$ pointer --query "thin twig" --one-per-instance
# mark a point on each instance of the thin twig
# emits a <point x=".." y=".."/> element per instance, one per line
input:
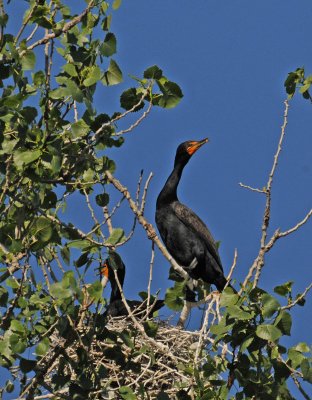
<point x="299" y="298"/>
<point x="300" y="388"/>
<point x="27" y="19"/>
<point x="267" y="210"/>
<point x="145" y="193"/>
<point x="251" y="188"/>
<point x="150" y="278"/>
<point x="137" y="122"/>
<point x="259" y="260"/>
<point x="95" y="220"/>
<point x="146" y="225"/>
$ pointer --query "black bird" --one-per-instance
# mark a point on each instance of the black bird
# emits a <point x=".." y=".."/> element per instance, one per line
<point x="184" y="234"/>
<point x="116" y="307"/>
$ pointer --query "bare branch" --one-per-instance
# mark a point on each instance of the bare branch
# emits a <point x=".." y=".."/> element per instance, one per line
<point x="27" y="19"/>
<point x="251" y="188"/>
<point x="95" y="220"/>
<point x="137" y="122"/>
<point x="300" y="388"/>
<point x="267" y="211"/>
<point x="291" y="230"/>
<point x="145" y="192"/>
<point x="151" y="233"/>
<point x="228" y="278"/>
<point x="150" y="279"/>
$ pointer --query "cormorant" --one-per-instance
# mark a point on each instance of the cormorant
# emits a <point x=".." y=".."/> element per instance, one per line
<point x="116" y="307"/>
<point x="184" y="234"/>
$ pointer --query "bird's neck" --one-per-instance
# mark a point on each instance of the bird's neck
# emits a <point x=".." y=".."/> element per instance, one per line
<point x="169" y="191"/>
<point x="115" y="293"/>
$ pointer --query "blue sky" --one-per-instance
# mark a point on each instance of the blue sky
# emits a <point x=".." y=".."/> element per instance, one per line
<point x="231" y="60"/>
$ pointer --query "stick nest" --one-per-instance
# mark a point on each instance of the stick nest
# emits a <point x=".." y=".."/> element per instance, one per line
<point x="127" y="356"/>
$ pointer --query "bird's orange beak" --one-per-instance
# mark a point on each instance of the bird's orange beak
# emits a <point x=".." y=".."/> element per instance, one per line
<point x="104" y="274"/>
<point x="195" y="145"/>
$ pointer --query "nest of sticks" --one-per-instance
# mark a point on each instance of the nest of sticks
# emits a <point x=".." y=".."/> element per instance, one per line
<point x="131" y="358"/>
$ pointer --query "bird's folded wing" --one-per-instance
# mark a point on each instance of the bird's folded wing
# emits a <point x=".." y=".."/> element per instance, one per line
<point x="196" y="225"/>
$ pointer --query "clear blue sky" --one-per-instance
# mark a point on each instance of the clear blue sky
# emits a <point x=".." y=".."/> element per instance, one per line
<point x="231" y="60"/>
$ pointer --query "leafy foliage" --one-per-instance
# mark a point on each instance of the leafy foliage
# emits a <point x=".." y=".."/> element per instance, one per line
<point x="297" y="79"/>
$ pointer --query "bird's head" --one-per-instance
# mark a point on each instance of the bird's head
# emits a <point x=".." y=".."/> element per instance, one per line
<point x="186" y="149"/>
<point x="105" y="272"/>
<point x="113" y="262"/>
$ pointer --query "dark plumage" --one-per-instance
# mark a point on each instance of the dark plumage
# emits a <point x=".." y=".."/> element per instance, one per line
<point x="116" y="307"/>
<point x="184" y="234"/>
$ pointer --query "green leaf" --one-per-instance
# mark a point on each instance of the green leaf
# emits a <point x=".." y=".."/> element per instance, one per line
<point x="25" y="157"/>
<point x="79" y="244"/>
<point x="4" y="19"/>
<point x="70" y="69"/>
<point x="296" y="357"/>
<point x="28" y="60"/>
<point x="238" y="313"/>
<point x="94" y="75"/>
<point x="303" y="347"/>
<point x="42" y="229"/>
<point x="18" y="345"/>
<point x="130" y="98"/>
<point x="43" y="347"/>
<point x="4" y="296"/>
<point x="268" y="332"/>
<point x="269" y="305"/>
<point x="284" y="289"/>
<point x="17" y="326"/>
<point x="109" y="46"/>
<point x="127" y="393"/>
<point x="228" y="297"/>
<point x="172" y="94"/>
<point x="126" y="338"/>
<point x="58" y="291"/>
<point x="39" y="78"/>
<point x="306" y="370"/>
<point x="116" y="4"/>
<point x="79" y="128"/>
<point x="9" y="387"/>
<point x="73" y="90"/>
<point x="305" y="88"/>
<point x="117" y="236"/>
<point x="29" y="113"/>
<point x="153" y="72"/>
<point x="102" y="199"/>
<point x="95" y="291"/>
<point x="113" y="75"/>
<point x="150" y="328"/>
<point x="174" y="298"/>
<point x="107" y="23"/>
<point x="283" y="322"/>
<point x="65" y="253"/>
<point x="82" y="260"/>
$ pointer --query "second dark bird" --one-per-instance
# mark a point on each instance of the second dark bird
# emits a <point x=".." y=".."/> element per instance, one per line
<point x="116" y="307"/>
<point x="184" y="234"/>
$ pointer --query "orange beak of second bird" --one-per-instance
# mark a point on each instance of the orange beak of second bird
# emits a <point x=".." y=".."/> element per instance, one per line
<point x="104" y="274"/>
<point x="195" y="145"/>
